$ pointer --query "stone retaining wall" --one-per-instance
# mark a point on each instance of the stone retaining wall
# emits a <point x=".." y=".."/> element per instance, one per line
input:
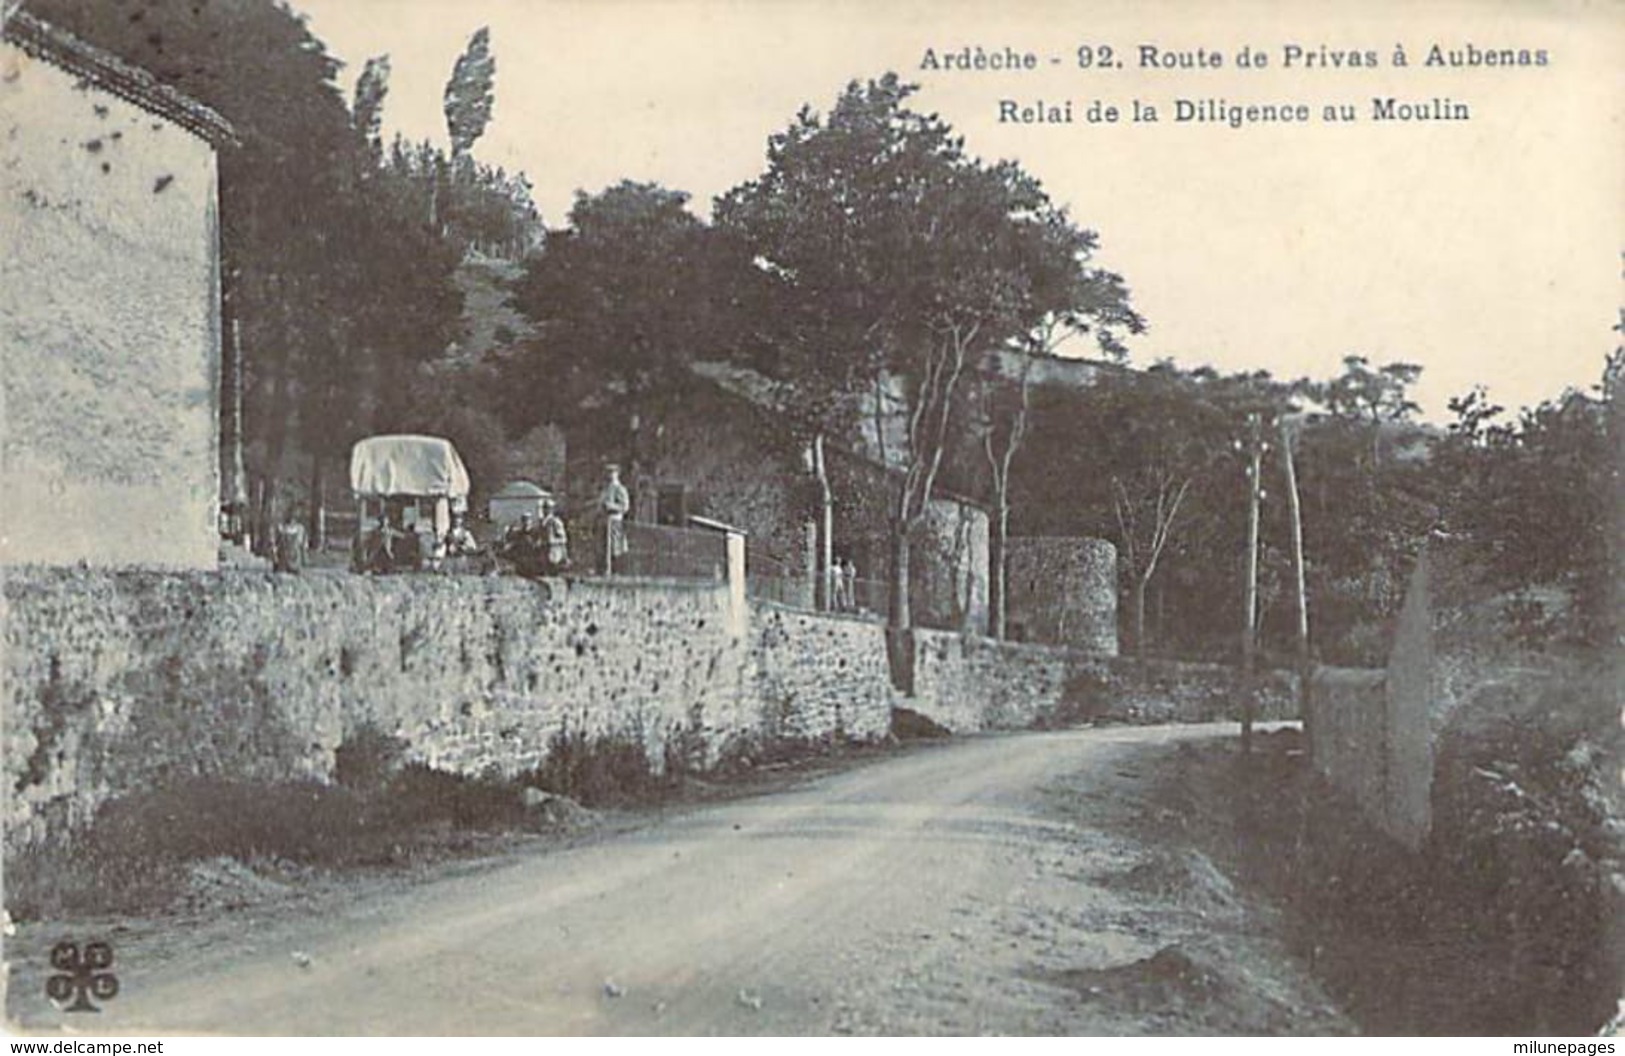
<point x="966" y="684"/>
<point x="819" y="675"/>
<point x="113" y="682"/>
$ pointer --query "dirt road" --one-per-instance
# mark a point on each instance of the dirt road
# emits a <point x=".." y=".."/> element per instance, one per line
<point x="1017" y="884"/>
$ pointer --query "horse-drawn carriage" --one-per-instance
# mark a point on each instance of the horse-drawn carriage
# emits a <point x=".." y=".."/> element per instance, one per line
<point x="411" y="497"/>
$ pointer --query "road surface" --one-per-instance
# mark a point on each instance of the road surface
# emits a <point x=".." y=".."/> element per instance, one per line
<point x="987" y="885"/>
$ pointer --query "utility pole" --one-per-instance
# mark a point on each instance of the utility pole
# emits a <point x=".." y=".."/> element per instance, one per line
<point x="1249" y="634"/>
<point x="1295" y="508"/>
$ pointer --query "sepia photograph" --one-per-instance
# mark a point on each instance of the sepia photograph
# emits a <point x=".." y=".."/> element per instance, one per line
<point x="812" y="519"/>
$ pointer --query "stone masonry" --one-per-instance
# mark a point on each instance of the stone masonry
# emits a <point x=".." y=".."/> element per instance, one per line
<point x="114" y="683"/>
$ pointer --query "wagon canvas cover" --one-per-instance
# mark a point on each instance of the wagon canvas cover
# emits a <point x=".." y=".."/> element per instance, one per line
<point x="407" y="465"/>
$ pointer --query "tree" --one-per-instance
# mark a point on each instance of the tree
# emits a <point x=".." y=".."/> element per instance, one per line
<point x="1145" y="459"/>
<point x="471" y="205"/>
<point x="371" y="88"/>
<point x="909" y="260"/>
<point x="1003" y="401"/>
<point x="1370" y="498"/>
<point x="332" y="294"/>
<point x="471" y="93"/>
<point x="1160" y="438"/>
<point x="624" y="299"/>
<point x="1369" y="397"/>
<point x="1537" y="500"/>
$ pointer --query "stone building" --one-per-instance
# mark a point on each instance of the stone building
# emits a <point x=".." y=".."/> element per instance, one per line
<point x="727" y="455"/>
<point x="1063" y="591"/>
<point x="109" y="310"/>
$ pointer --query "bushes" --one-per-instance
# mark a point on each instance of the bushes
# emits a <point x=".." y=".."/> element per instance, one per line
<point x="368" y="758"/>
<point x="597" y="770"/>
<point x="134" y="855"/>
<point x="1527" y="826"/>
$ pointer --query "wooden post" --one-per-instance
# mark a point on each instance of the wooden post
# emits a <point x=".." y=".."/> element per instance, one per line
<point x="1295" y="508"/>
<point x="1249" y="632"/>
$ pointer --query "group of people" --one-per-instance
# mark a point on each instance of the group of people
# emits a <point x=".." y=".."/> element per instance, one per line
<point x="391" y="547"/>
<point x="537" y="546"/>
<point x="844" y="580"/>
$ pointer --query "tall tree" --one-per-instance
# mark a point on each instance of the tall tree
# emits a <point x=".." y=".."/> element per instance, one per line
<point x="914" y="259"/>
<point x="371" y="88"/>
<point x="471" y="93"/>
<point x="1369" y="398"/>
<point x="472" y="205"/>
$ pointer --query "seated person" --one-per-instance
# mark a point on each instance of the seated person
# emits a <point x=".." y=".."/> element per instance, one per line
<point x="522" y="544"/>
<point x="460" y="542"/>
<point x="382" y="547"/>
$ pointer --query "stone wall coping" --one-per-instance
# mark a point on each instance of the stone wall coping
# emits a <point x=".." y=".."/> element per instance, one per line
<point x="797" y="610"/>
<point x="26" y="573"/>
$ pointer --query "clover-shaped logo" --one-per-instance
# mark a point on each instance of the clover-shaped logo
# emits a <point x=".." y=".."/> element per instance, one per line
<point x="81" y="975"/>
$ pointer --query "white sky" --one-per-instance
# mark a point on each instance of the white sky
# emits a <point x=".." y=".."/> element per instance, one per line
<point x="1487" y="250"/>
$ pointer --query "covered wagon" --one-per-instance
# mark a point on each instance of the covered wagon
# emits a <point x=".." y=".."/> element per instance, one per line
<point x="408" y="490"/>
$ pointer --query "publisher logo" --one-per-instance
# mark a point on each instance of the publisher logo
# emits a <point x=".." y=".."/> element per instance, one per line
<point x="81" y="974"/>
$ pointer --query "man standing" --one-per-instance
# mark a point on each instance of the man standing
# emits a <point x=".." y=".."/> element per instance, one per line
<point x="614" y="502"/>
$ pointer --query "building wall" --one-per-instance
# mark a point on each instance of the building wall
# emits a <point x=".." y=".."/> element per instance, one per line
<point x="744" y="470"/>
<point x="114" y="682"/>
<point x="109" y="328"/>
<point x="967" y="684"/>
<point x="740" y="473"/>
<point x="947" y="554"/>
<point x="1063" y="592"/>
<point x="1410" y="697"/>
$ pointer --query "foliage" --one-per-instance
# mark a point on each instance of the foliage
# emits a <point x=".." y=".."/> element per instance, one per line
<point x="470" y="204"/>
<point x="1370" y="498"/>
<point x="1147" y="460"/>
<point x="1527" y="834"/>
<point x="1537" y="500"/>
<point x="470" y="93"/>
<point x="371" y="88"/>
<point x="624" y="300"/>
<point x="906" y="260"/>
<point x="331" y="290"/>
